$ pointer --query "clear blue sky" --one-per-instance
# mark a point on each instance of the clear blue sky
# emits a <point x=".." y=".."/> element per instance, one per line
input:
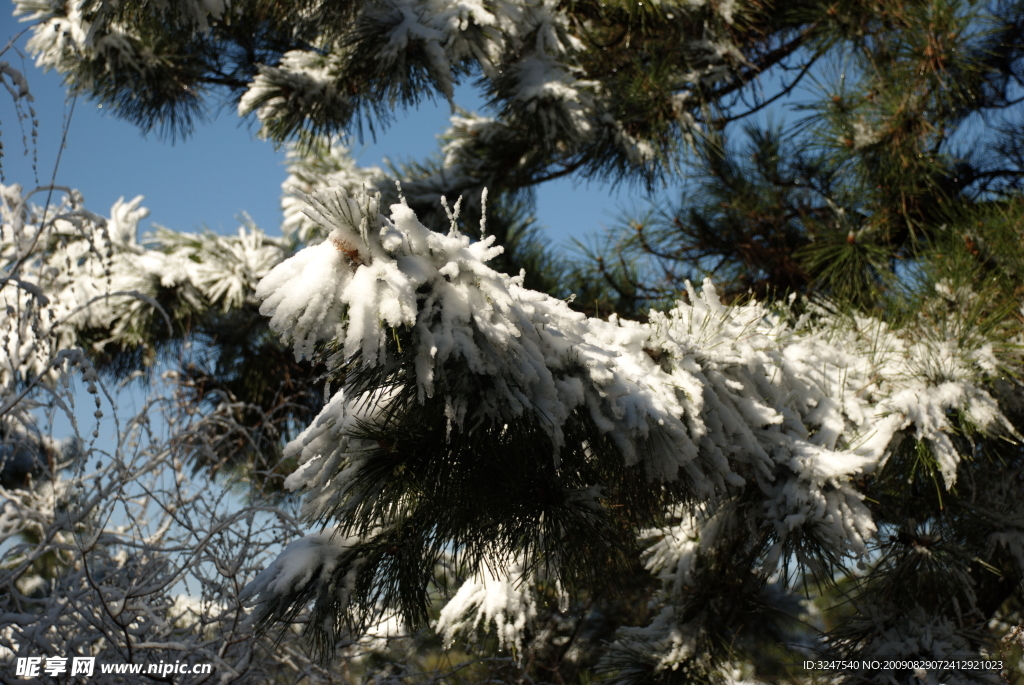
<point x="222" y="169"/>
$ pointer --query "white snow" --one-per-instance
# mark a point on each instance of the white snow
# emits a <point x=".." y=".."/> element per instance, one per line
<point x="504" y="603"/>
<point x="738" y="394"/>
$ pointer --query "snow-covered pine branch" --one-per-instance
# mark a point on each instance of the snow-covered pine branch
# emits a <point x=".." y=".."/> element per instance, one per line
<point x="327" y="68"/>
<point x="84" y="289"/>
<point x="92" y="276"/>
<point x="474" y="417"/>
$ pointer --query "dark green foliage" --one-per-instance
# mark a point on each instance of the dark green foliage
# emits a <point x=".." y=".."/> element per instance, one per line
<point x="908" y="138"/>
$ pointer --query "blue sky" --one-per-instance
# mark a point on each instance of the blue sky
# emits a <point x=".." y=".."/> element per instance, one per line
<point x="223" y="169"/>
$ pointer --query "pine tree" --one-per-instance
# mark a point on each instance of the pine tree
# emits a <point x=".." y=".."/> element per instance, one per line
<point x="673" y="493"/>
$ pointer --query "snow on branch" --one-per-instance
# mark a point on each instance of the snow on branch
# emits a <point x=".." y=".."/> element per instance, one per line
<point x="97" y="276"/>
<point x="108" y="549"/>
<point x="506" y="601"/>
<point x="711" y="396"/>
